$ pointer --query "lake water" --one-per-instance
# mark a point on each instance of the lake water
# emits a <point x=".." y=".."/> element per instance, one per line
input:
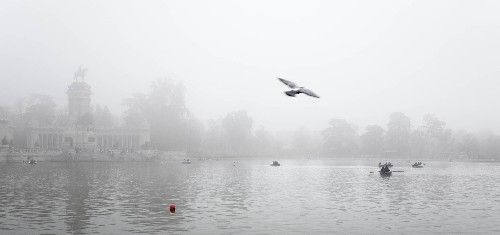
<point x="249" y="196"/>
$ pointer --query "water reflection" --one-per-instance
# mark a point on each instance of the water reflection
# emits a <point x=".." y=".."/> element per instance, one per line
<point x="249" y="196"/>
<point x="78" y="203"/>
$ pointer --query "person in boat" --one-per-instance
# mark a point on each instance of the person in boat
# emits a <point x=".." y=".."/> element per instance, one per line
<point x="385" y="169"/>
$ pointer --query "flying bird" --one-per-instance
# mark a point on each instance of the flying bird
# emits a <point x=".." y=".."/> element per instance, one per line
<point x="296" y="89"/>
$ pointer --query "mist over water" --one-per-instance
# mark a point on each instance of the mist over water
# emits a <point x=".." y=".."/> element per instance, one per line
<point x="111" y="111"/>
<point x="213" y="197"/>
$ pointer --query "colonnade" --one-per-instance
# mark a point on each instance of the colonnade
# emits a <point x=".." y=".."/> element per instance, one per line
<point x="118" y="141"/>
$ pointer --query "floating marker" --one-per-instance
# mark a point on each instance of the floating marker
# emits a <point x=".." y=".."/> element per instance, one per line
<point x="172" y="208"/>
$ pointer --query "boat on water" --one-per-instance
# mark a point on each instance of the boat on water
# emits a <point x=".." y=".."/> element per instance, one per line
<point x="186" y="161"/>
<point x="31" y="161"/>
<point x="417" y="165"/>
<point x="275" y="163"/>
<point x="385" y="164"/>
<point x="385" y="173"/>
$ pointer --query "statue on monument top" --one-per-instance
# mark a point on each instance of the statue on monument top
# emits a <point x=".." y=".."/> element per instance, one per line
<point x="80" y="73"/>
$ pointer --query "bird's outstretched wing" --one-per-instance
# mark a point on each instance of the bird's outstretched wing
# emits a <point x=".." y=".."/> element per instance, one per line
<point x="308" y="92"/>
<point x="288" y="83"/>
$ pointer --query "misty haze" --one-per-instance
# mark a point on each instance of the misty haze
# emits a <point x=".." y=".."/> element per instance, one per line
<point x="249" y="117"/>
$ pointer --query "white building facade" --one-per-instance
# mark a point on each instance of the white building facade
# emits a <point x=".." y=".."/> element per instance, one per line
<point x="79" y="133"/>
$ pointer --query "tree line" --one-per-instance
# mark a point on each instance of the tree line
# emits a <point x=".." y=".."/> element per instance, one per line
<point x="400" y="139"/>
<point x="174" y="128"/>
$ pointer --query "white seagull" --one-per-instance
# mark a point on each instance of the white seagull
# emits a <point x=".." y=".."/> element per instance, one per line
<point x="296" y="89"/>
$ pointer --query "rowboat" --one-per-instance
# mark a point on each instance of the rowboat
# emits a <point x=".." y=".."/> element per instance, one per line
<point x="417" y="165"/>
<point x="385" y="174"/>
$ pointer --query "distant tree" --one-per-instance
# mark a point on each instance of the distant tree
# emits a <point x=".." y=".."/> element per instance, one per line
<point x="5" y="113"/>
<point x="372" y="141"/>
<point x="262" y="142"/>
<point x="433" y="125"/>
<point x="175" y="118"/>
<point x="164" y="110"/>
<point x="446" y="141"/>
<point x="437" y="138"/>
<point x="398" y="133"/>
<point x="301" y="142"/>
<point x="40" y="109"/>
<point x="418" y="142"/>
<point x="238" y="131"/>
<point x="33" y="111"/>
<point x="469" y="145"/>
<point x="194" y="136"/>
<point x="340" y="138"/>
<point x="490" y="147"/>
<point x="214" y="138"/>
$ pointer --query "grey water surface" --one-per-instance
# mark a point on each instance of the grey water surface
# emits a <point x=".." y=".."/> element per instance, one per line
<point x="248" y="196"/>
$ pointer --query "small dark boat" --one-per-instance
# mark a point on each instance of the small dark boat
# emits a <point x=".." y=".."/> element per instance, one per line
<point x="275" y="163"/>
<point x="186" y="161"/>
<point x="417" y="165"/>
<point x="385" y="173"/>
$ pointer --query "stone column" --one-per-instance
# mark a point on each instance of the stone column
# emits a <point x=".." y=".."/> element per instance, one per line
<point x="44" y="137"/>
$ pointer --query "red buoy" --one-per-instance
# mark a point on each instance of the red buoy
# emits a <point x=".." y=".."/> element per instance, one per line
<point x="172" y="208"/>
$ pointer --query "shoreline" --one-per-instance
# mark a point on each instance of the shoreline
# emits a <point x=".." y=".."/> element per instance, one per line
<point x="167" y="156"/>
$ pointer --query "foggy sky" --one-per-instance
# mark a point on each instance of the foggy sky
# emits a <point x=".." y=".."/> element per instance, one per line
<point x="365" y="59"/>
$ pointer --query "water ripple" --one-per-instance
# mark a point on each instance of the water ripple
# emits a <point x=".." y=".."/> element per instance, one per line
<point x="213" y="197"/>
